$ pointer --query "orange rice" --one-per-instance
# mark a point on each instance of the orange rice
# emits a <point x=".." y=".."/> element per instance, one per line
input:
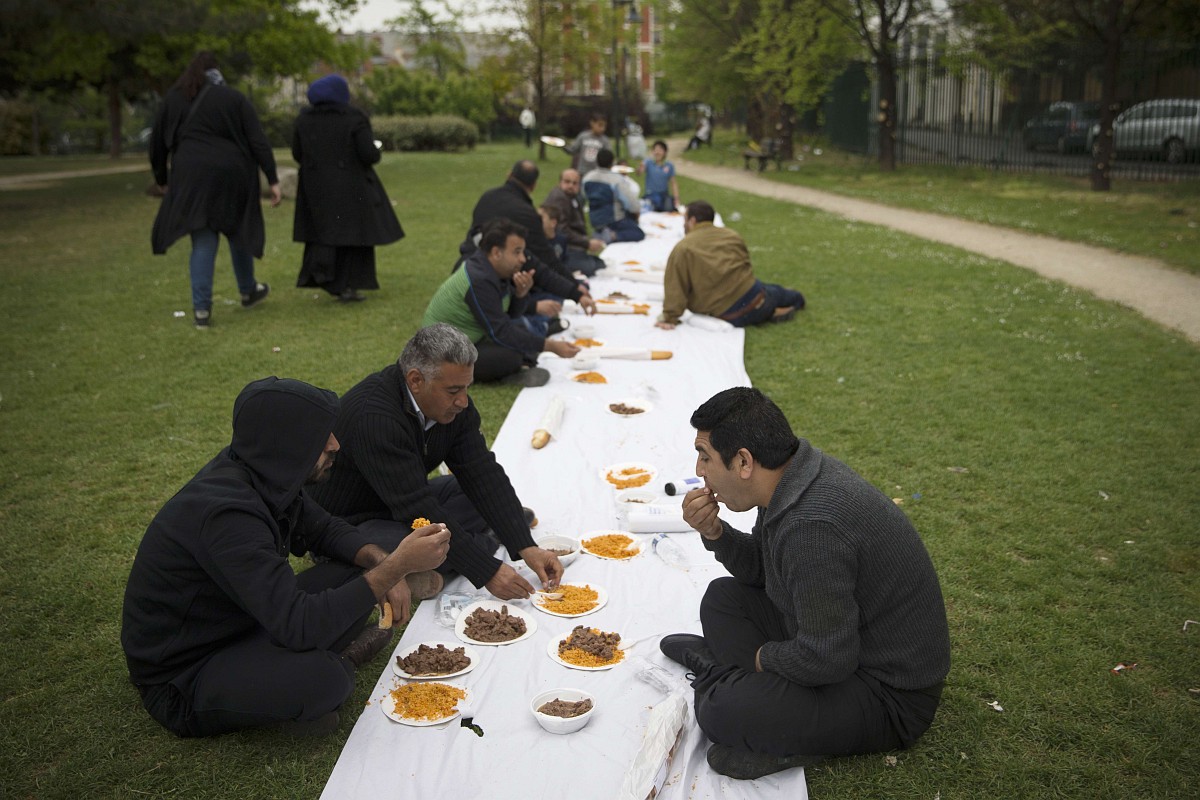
<point x="420" y="522"/>
<point x="426" y="701"/>
<point x="575" y="600"/>
<point x="586" y="342"/>
<point x="590" y="377"/>
<point x="611" y="545"/>
<point x="628" y="478"/>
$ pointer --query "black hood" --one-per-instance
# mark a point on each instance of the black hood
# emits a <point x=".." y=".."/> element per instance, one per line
<point x="280" y="428"/>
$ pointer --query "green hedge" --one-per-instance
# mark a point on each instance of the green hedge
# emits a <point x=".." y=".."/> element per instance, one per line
<point x="439" y="132"/>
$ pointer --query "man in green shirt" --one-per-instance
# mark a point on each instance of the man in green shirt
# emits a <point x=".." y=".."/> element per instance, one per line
<point x="709" y="272"/>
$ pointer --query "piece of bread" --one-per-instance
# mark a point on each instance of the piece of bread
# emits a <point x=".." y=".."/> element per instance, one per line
<point x="385" y="617"/>
<point x="541" y="438"/>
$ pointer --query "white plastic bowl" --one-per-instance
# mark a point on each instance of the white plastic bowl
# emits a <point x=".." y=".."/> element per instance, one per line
<point x="585" y="361"/>
<point x="562" y="725"/>
<point x="556" y="542"/>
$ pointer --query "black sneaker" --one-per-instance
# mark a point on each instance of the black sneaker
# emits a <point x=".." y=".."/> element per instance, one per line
<point x="201" y="319"/>
<point x="351" y="296"/>
<point x="261" y="290"/>
<point x="676" y="645"/>
<point x="367" y="645"/>
<point x="528" y="377"/>
<point x="744" y="765"/>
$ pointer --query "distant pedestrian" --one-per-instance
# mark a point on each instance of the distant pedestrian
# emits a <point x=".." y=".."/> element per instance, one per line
<point x="206" y="149"/>
<point x="342" y="209"/>
<point x="528" y="123"/>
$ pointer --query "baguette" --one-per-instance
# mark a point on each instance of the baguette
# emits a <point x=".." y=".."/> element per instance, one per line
<point x="660" y="355"/>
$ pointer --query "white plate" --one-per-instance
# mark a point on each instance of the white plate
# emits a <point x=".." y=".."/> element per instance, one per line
<point x="611" y="468"/>
<point x="388" y="706"/>
<point x="556" y="542"/>
<point x="460" y="624"/>
<point x="552" y="651"/>
<point x="468" y="651"/>
<point x="636" y="546"/>
<point x="601" y="601"/>
<point x="636" y="402"/>
<point x="623" y="169"/>
<point x="554" y="141"/>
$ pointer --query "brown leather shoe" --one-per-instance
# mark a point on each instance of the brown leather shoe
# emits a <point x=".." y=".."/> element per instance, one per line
<point x="424" y="585"/>
<point x="367" y="645"/>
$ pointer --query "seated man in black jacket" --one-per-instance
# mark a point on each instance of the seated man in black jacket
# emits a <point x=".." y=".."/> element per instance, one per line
<point x="219" y="632"/>
<point x="486" y="300"/>
<point x="514" y="201"/>
<point x="400" y="423"/>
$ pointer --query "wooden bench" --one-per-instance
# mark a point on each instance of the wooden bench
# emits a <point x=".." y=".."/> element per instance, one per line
<point x="768" y="150"/>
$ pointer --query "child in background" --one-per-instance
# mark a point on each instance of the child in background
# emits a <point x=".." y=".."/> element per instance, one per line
<point x="662" y="190"/>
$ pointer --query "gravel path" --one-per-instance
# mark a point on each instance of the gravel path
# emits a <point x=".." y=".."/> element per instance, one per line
<point x="1169" y="297"/>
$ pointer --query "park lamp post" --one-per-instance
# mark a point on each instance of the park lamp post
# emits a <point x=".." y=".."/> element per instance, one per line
<point x="619" y="77"/>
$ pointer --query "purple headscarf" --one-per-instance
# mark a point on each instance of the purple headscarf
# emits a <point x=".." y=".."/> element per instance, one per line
<point x="330" y="89"/>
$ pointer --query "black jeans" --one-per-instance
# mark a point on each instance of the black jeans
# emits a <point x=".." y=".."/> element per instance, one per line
<point x="767" y="713"/>
<point x="254" y="682"/>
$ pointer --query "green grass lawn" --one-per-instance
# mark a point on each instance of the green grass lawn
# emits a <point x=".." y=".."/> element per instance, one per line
<point x="1156" y="219"/>
<point x="1046" y="445"/>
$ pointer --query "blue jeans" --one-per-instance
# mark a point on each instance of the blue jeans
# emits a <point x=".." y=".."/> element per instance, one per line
<point x="622" y="230"/>
<point x="203" y="260"/>
<point x="776" y="296"/>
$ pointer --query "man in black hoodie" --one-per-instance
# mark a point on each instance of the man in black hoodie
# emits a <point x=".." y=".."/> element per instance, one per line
<point x="219" y="632"/>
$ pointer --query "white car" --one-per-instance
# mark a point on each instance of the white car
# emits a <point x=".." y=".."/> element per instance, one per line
<point x="1169" y="128"/>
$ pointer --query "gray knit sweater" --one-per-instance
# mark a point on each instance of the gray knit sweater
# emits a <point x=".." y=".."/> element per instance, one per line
<point x="850" y="575"/>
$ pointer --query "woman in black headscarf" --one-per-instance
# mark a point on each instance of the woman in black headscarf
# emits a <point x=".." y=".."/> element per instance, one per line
<point x="216" y="147"/>
<point x="342" y="210"/>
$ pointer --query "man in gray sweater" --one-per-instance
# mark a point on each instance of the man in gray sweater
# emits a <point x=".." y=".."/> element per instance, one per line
<point x="831" y="637"/>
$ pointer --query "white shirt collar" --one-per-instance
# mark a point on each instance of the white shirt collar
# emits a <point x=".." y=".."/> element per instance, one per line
<point x="426" y="424"/>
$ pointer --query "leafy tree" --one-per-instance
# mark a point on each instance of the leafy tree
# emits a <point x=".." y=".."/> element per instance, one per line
<point x="703" y="53"/>
<point x="126" y="48"/>
<point x="1004" y="30"/>
<point x="554" y="41"/>
<point x="795" y="50"/>
<point x="421" y="93"/>
<point x="879" y="24"/>
<point x="435" y="33"/>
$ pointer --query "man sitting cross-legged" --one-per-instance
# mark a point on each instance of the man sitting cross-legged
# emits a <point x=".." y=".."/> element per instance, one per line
<point x="398" y="424"/>
<point x="831" y="638"/>
<point x="219" y="632"/>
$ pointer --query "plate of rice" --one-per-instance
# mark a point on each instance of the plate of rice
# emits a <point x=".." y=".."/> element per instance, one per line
<point x="578" y="599"/>
<point x="611" y="545"/>
<point x="429" y="660"/>
<point x="628" y="475"/>
<point x="493" y="622"/>
<point x="589" y="649"/>
<point x="424" y="704"/>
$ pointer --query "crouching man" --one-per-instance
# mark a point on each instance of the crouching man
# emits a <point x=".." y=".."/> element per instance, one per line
<point x="831" y="638"/>
<point x="219" y="632"/>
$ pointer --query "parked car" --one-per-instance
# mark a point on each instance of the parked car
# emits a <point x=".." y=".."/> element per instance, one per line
<point x="1062" y="126"/>
<point x="1169" y="128"/>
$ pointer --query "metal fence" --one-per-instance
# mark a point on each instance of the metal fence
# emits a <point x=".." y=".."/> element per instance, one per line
<point x="1041" y="120"/>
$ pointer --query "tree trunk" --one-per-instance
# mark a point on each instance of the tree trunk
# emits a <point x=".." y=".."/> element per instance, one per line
<point x="114" y="119"/>
<point x="1105" y="149"/>
<point x="886" y="67"/>
<point x="786" y="129"/>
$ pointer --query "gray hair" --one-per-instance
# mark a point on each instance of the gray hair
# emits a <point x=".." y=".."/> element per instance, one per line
<point x="435" y="345"/>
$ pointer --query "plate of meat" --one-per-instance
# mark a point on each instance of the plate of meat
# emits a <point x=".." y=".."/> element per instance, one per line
<point x="587" y="649"/>
<point x="492" y="623"/>
<point x="435" y="660"/>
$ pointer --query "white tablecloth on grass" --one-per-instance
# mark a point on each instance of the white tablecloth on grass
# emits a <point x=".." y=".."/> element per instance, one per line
<point x="563" y="483"/>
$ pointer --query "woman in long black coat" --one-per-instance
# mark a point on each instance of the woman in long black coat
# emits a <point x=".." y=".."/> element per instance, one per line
<point x="215" y="145"/>
<point x="342" y="210"/>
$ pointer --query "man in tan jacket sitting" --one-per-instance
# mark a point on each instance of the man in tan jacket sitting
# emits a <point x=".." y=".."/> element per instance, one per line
<point x="709" y="272"/>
